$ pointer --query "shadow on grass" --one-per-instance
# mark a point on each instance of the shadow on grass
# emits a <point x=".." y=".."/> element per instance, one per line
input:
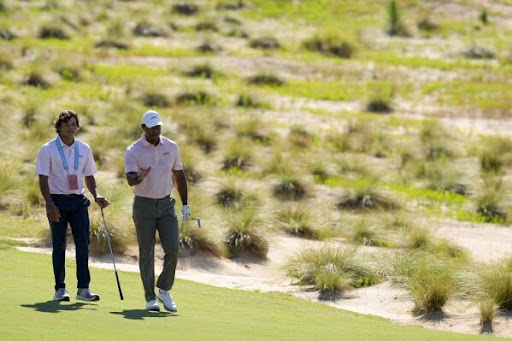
<point x="141" y="314"/>
<point x="55" y="306"/>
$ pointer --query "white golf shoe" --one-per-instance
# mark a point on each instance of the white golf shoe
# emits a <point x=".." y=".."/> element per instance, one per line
<point x="166" y="299"/>
<point x="152" y="306"/>
<point x="61" y="295"/>
<point x="86" y="295"/>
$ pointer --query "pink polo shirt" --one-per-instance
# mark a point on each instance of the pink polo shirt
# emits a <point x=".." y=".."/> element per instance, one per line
<point x="162" y="158"/>
<point x="50" y="164"/>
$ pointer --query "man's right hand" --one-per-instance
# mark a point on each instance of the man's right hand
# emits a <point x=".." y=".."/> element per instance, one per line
<point x="143" y="173"/>
<point x="52" y="212"/>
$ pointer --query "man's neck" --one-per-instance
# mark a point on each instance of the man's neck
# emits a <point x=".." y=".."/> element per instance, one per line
<point x="67" y="141"/>
<point x="153" y="141"/>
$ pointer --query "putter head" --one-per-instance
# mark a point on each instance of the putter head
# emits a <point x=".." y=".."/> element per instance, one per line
<point x="199" y="222"/>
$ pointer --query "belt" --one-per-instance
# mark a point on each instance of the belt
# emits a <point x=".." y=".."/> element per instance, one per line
<point x="68" y="196"/>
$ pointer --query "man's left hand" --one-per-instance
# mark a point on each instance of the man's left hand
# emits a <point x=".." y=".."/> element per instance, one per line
<point x="101" y="201"/>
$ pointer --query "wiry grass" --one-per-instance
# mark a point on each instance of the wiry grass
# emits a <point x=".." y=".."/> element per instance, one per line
<point x="296" y="220"/>
<point x="191" y="238"/>
<point x="367" y="198"/>
<point x="429" y="279"/>
<point x="490" y="202"/>
<point x="243" y="235"/>
<point x="331" y="269"/>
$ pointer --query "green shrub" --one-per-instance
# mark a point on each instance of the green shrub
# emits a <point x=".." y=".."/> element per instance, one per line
<point x="249" y="101"/>
<point x="153" y="99"/>
<point x="207" y="26"/>
<point x="235" y="197"/>
<point x="289" y="188"/>
<point x="146" y="29"/>
<point x="53" y="32"/>
<point x="243" y="237"/>
<point x="194" y="98"/>
<point x="296" y="220"/>
<point x="330" y="43"/>
<point x="367" y="198"/>
<point x="365" y="234"/>
<point x="238" y="155"/>
<point x="184" y="8"/>
<point x="120" y="236"/>
<point x="202" y="71"/>
<point x="331" y="269"/>
<point x="265" y="79"/>
<point x="490" y="201"/>
<point x="427" y="25"/>
<point x="192" y="238"/>
<point x="265" y="43"/>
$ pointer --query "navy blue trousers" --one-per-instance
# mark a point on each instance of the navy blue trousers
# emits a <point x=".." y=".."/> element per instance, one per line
<point x="73" y="211"/>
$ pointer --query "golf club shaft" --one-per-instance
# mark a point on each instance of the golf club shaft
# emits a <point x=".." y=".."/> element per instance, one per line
<point x="112" y="254"/>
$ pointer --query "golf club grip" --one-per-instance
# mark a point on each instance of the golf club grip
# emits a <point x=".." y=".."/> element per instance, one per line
<point x="119" y="287"/>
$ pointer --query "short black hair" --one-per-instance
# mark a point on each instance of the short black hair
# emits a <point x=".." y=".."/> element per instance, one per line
<point x="65" y="116"/>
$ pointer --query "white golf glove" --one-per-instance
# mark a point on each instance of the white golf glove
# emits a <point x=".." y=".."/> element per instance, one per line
<point x="185" y="210"/>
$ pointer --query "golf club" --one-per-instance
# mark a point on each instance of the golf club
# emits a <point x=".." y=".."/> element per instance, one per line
<point x="112" y="254"/>
<point x="198" y="221"/>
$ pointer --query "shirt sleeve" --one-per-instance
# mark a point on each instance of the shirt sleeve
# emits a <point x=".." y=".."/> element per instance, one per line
<point x="178" y="164"/>
<point x="130" y="162"/>
<point x="89" y="166"/>
<point x="43" y="161"/>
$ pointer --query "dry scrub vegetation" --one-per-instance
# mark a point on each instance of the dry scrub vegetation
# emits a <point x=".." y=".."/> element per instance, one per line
<point x="328" y="120"/>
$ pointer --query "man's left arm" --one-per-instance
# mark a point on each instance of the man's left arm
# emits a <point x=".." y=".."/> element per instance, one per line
<point x="181" y="186"/>
<point x="90" y="182"/>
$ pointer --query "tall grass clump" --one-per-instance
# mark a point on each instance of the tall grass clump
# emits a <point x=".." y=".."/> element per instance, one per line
<point x="300" y="137"/>
<point x="331" y="43"/>
<point x="243" y="234"/>
<point x="435" y="140"/>
<point x="296" y="221"/>
<point x="194" y="98"/>
<point x="331" y="269"/>
<point x="269" y="79"/>
<point x="367" y="197"/>
<point x="249" y="101"/>
<point x="184" y="8"/>
<point x="253" y="128"/>
<point x="202" y="71"/>
<point x="365" y="233"/>
<point x="289" y="187"/>
<point x="233" y="196"/>
<point x="155" y="99"/>
<point x="494" y="154"/>
<point x="265" y="43"/>
<point x="121" y="236"/>
<point x="192" y="238"/>
<point x="496" y="281"/>
<point x="201" y="133"/>
<point x="491" y="200"/>
<point x="238" y="155"/>
<point x="429" y="279"/>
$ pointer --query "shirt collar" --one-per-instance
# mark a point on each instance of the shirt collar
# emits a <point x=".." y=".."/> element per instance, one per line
<point x="65" y="145"/>
<point x="145" y="142"/>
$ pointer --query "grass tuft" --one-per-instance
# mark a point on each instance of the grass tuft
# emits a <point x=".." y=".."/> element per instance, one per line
<point x="243" y="235"/>
<point x="331" y="269"/>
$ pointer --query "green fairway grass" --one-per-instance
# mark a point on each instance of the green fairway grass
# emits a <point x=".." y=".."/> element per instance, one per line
<point x="205" y="312"/>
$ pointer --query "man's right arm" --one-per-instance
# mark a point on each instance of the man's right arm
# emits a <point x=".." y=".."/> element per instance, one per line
<point x="52" y="212"/>
<point x="132" y="178"/>
<point x="135" y="178"/>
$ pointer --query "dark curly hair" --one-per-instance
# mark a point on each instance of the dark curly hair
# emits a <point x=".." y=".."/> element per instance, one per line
<point x="65" y="116"/>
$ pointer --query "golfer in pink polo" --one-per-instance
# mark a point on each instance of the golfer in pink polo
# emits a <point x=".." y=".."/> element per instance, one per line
<point x="152" y="163"/>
